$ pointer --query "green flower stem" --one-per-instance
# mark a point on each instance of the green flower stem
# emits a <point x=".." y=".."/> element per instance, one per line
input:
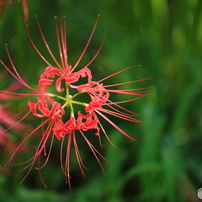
<point x="77" y="94"/>
<point x="79" y="103"/>
<point x="60" y="97"/>
<point x="69" y="100"/>
<point x="67" y="90"/>
<point x="65" y="104"/>
<point x="71" y="109"/>
<point x="68" y="96"/>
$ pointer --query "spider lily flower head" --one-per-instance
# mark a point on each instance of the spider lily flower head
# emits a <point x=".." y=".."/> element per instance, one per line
<point x="52" y="108"/>
<point x="5" y="3"/>
<point x="7" y="117"/>
<point x="5" y="6"/>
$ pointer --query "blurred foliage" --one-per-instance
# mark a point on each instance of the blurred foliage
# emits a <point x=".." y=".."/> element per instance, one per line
<point x="165" y="37"/>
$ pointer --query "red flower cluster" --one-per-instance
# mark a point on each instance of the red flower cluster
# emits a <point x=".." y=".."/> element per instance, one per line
<point x="7" y="118"/>
<point x="4" y="3"/>
<point x="2" y="6"/>
<point x="53" y="107"/>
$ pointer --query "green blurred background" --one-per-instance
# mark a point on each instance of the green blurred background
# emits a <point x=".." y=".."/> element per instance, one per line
<point x="165" y="37"/>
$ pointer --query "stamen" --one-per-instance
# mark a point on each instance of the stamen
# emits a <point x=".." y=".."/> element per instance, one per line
<point x="87" y="44"/>
<point x="35" y="48"/>
<point x="46" y="44"/>
<point x="118" y="73"/>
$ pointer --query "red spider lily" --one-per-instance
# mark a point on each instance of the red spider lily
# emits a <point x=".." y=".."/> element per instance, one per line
<point x="5" y="3"/>
<point x="53" y="112"/>
<point x="9" y="3"/>
<point x="6" y="139"/>
<point x="7" y="120"/>
<point x="2" y="5"/>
